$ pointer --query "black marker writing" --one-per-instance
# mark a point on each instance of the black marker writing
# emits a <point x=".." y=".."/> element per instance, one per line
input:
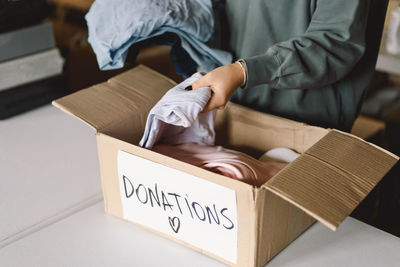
<point x="187" y="203"/>
<point x="145" y="194"/>
<point x="203" y="218"/>
<point x="210" y="214"/>
<point x="165" y="201"/>
<point x="124" y="178"/>
<point x="177" y="201"/>
<point x="171" y="201"/>
<point x="227" y="227"/>
<point x="155" y="197"/>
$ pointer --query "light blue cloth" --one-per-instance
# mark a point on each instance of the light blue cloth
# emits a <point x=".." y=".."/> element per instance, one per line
<point x="114" y="25"/>
<point x="176" y="118"/>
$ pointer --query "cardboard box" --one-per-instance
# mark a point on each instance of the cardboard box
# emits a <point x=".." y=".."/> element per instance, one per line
<point x="234" y="222"/>
<point x="365" y="127"/>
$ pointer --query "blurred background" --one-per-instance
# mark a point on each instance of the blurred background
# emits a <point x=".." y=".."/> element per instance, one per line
<point x="53" y="35"/>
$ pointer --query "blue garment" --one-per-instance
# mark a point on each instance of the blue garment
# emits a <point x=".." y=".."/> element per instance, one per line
<point x="114" y="25"/>
<point x="176" y="118"/>
<point x="183" y="63"/>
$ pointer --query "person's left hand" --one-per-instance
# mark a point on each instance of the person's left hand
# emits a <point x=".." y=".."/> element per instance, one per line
<point x="223" y="82"/>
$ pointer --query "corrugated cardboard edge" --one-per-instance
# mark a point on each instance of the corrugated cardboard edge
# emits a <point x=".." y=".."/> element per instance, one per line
<point x="67" y="111"/>
<point x="344" y="182"/>
<point x="278" y="231"/>
<point x="371" y="144"/>
<point x="254" y="249"/>
<point x="312" y="214"/>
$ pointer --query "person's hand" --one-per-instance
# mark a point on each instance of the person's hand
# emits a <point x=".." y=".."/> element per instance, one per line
<point x="223" y="82"/>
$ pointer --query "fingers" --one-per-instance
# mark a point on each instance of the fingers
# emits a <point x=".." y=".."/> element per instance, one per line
<point x="207" y="108"/>
<point x="202" y="82"/>
<point x="215" y="102"/>
<point x="217" y="99"/>
<point x="219" y="86"/>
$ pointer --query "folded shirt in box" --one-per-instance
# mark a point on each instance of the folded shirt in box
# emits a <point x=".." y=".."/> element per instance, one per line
<point x="230" y="163"/>
<point x="176" y="117"/>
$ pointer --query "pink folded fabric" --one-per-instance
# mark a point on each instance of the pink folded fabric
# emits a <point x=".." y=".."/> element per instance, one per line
<point x="230" y="163"/>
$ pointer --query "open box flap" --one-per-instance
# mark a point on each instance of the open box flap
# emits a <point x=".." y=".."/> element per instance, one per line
<point x="332" y="177"/>
<point x="132" y="93"/>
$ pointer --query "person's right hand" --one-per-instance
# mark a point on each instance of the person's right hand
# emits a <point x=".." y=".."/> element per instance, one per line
<point x="223" y="82"/>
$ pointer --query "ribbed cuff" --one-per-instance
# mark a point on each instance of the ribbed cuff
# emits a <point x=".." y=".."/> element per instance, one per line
<point x="262" y="69"/>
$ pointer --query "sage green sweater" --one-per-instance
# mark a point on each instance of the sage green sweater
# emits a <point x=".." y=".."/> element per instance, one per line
<point x="307" y="60"/>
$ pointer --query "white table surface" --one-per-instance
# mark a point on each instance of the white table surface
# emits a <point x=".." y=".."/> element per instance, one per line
<point x="93" y="238"/>
<point x="48" y="169"/>
<point x="52" y="213"/>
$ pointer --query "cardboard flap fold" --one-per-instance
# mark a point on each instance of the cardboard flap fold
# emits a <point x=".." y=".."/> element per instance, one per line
<point x="332" y="177"/>
<point x="131" y="93"/>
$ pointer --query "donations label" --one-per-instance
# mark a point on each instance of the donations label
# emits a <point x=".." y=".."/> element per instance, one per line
<point x="186" y="207"/>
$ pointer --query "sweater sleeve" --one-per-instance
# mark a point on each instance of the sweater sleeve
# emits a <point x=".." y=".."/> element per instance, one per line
<point x="328" y="50"/>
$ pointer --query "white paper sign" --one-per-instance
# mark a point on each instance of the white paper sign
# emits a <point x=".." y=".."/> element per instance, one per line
<point x="181" y="205"/>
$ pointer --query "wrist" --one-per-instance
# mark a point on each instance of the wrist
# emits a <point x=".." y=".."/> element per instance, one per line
<point x="243" y="68"/>
<point x="238" y="74"/>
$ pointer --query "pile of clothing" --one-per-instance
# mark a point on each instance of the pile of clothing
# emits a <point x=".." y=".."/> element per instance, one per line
<point x="190" y="27"/>
<point x="177" y="128"/>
